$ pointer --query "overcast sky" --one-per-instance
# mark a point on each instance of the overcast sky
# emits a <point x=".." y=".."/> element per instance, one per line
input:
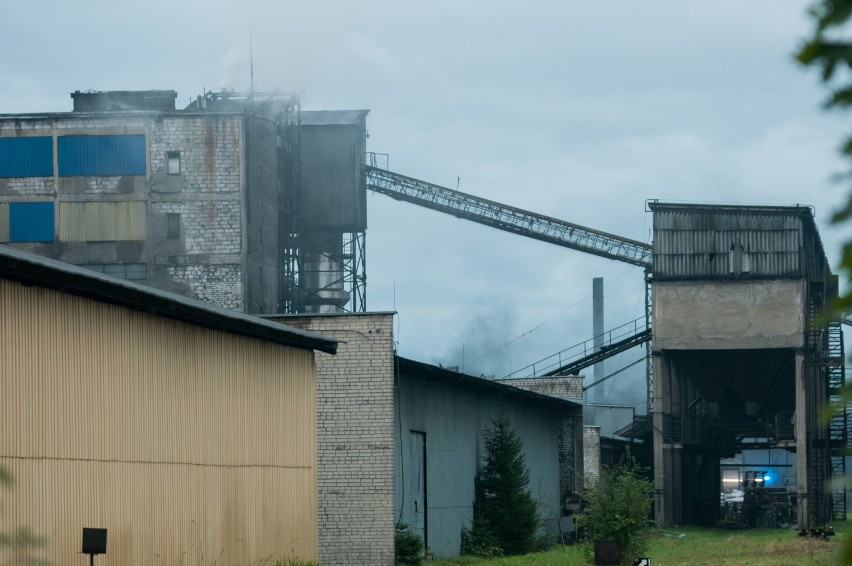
<point x="578" y="110"/>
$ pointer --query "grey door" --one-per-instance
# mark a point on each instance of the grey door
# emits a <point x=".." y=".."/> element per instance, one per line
<point x="418" y="483"/>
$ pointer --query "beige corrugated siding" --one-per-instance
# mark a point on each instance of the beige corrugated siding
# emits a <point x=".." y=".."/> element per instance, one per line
<point x="4" y="222"/>
<point x="102" y="221"/>
<point x="191" y="446"/>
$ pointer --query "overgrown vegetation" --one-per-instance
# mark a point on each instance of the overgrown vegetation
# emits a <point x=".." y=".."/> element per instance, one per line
<point x="505" y="518"/>
<point x="408" y="546"/>
<point x="619" y="508"/>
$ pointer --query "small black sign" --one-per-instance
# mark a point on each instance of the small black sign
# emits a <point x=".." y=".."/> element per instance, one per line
<point x="94" y="541"/>
<point x="641" y="562"/>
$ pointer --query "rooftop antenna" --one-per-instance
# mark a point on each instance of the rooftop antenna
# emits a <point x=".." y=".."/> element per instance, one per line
<point x="251" y="67"/>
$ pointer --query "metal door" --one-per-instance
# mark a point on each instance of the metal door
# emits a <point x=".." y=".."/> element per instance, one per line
<point x="418" y="483"/>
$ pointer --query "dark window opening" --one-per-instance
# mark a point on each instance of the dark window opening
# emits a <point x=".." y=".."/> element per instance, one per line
<point x="173" y="225"/>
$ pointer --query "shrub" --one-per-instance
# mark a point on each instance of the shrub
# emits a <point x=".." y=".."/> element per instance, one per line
<point x="505" y="518"/>
<point x="408" y="546"/>
<point x="619" y="509"/>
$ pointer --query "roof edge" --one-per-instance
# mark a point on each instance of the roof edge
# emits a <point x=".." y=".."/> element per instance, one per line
<point x="31" y="269"/>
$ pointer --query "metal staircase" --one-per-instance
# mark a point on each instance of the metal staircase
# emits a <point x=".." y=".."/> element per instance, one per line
<point x="838" y="433"/>
<point x="580" y="356"/>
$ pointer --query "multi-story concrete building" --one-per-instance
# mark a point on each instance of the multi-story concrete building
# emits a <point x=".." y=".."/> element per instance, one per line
<point x="210" y="202"/>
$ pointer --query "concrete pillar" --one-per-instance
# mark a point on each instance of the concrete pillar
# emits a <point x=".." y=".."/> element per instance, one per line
<point x="596" y="394"/>
<point x="668" y="446"/>
<point x="660" y="377"/>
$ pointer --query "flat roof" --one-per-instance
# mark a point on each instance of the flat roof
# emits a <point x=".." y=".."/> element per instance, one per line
<point x="32" y="269"/>
<point x="332" y="117"/>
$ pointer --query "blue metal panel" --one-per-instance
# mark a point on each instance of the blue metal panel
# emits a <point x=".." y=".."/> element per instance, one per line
<point x="31" y="222"/>
<point x="101" y="155"/>
<point x="26" y="157"/>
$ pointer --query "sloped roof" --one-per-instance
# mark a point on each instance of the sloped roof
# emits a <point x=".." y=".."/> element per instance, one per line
<point x="31" y="269"/>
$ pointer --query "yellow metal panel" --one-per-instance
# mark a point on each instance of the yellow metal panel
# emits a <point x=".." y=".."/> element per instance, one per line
<point x="102" y="221"/>
<point x="71" y="221"/>
<point x="4" y="222"/>
<point x="188" y="444"/>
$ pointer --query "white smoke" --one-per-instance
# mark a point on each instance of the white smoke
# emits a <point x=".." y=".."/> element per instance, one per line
<point x="236" y="68"/>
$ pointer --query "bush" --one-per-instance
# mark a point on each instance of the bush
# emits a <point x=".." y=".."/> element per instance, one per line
<point x="408" y="546"/>
<point x="505" y="518"/>
<point x="619" y="509"/>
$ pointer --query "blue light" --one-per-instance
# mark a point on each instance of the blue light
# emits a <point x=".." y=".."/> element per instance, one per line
<point x="767" y="477"/>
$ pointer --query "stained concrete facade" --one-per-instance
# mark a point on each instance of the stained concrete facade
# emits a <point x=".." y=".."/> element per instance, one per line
<point x="202" y="201"/>
<point x="739" y="353"/>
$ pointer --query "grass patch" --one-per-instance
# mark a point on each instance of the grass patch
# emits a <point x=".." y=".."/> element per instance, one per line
<point x="700" y="547"/>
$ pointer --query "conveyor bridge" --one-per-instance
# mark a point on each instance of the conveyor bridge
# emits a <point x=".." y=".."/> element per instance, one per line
<point x="507" y="218"/>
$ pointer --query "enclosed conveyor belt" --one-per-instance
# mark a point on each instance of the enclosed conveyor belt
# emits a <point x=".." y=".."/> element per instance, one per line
<point x="508" y="218"/>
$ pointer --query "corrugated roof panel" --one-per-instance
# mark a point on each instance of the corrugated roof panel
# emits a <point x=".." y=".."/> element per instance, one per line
<point x="101" y="155"/>
<point x="720" y="243"/>
<point x="26" y="157"/>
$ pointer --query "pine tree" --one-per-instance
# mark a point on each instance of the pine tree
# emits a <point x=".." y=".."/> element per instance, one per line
<point x="505" y="518"/>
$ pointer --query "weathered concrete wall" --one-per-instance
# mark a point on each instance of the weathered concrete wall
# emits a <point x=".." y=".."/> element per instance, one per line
<point x="355" y="436"/>
<point x="225" y="248"/>
<point x="261" y="205"/>
<point x="705" y="315"/>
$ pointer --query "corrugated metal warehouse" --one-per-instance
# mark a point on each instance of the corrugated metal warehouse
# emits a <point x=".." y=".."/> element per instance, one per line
<point x="187" y="431"/>
<point x="440" y="419"/>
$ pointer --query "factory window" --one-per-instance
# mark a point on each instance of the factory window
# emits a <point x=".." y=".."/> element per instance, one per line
<point x="137" y="272"/>
<point x="173" y="162"/>
<point x="738" y="260"/>
<point x="31" y="222"/>
<point x="173" y="225"/>
<point x="101" y="155"/>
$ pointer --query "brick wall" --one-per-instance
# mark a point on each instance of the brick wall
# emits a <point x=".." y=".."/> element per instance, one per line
<point x="591" y="453"/>
<point x="207" y="260"/>
<point x="571" y="453"/>
<point x="566" y="387"/>
<point x="355" y="452"/>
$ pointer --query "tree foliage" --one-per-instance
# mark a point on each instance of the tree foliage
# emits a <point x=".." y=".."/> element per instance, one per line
<point x="505" y="518"/>
<point x="832" y="53"/>
<point x="408" y="546"/>
<point x="828" y="50"/>
<point x="619" y="508"/>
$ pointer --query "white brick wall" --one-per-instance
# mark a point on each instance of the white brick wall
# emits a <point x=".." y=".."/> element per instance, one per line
<point x="355" y="453"/>
<point x="218" y="284"/>
<point x="591" y="453"/>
